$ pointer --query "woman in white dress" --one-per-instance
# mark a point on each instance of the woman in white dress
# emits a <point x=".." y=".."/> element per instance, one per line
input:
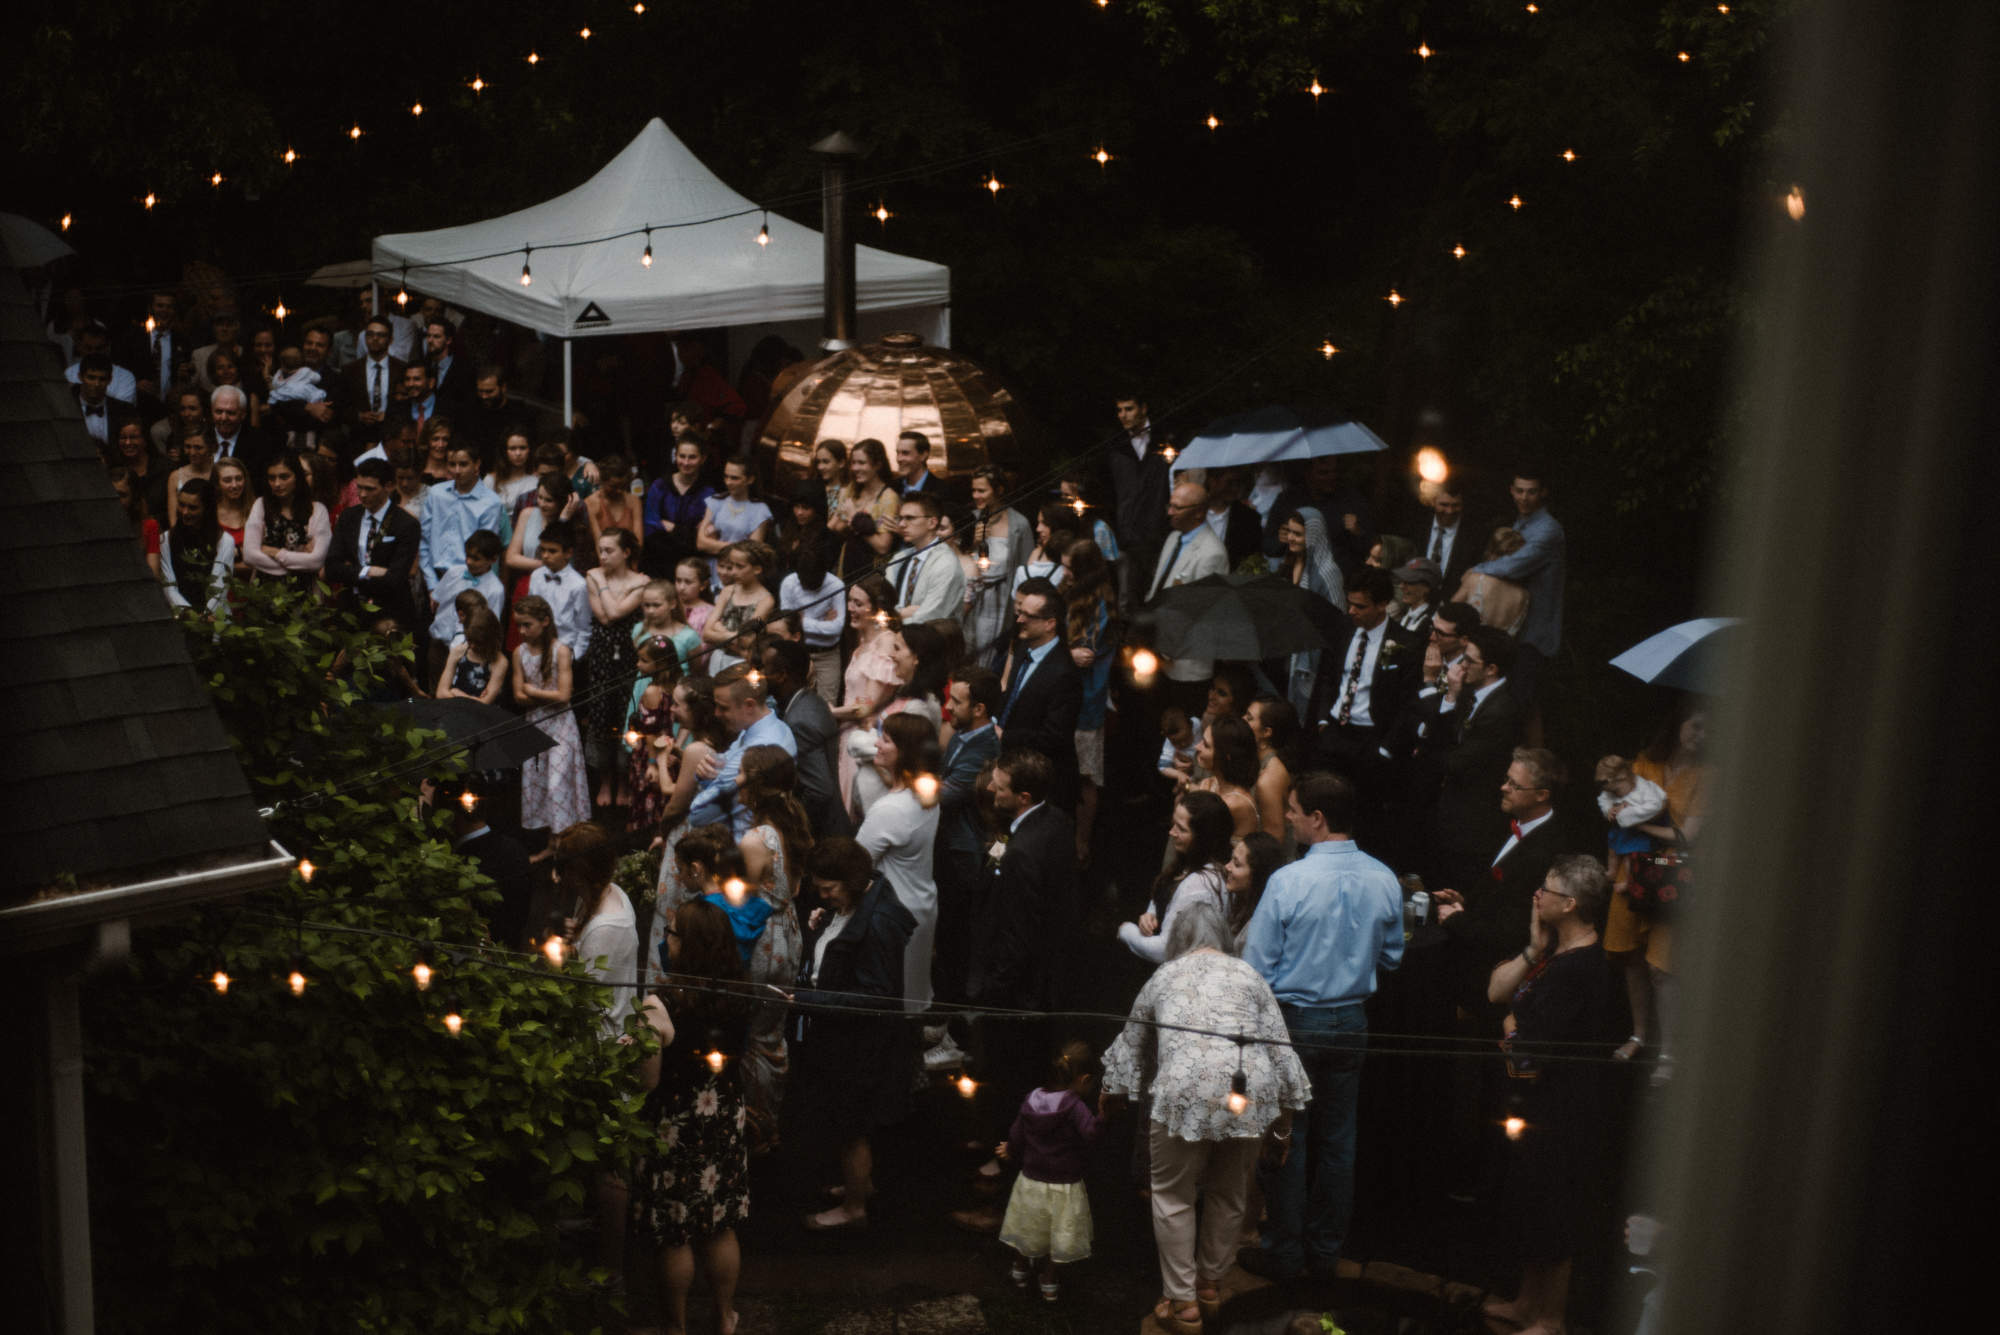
<point x="898" y="836"/>
<point x="735" y="516"/>
<point x="555" y="792"/>
<point x="999" y="540"/>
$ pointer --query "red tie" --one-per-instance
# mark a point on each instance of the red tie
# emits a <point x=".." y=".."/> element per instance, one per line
<point x="1517" y="829"/>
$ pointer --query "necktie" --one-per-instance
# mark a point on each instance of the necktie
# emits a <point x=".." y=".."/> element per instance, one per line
<point x="1014" y="688"/>
<point x="1517" y="830"/>
<point x="910" y="578"/>
<point x="376" y="400"/>
<point x="1353" y="677"/>
<point x="368" y="537"/>
<point x="1180" y="545"/>
<point x="1437" y="545"/>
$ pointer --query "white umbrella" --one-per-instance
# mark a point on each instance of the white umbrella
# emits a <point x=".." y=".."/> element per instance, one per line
<point x="1687" y="656"/>
<point x="29" y="243"/>
<point x="1275" y="434"/>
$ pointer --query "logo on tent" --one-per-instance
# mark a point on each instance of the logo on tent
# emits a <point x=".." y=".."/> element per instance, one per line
<point x="592" y="314"/>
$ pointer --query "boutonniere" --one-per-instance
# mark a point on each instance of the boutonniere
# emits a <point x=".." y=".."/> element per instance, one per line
<point x="997" y="850"/>
<point x="1391" y="648"/>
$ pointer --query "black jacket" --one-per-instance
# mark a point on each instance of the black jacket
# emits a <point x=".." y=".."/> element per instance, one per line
<point x="1392" y="689"/>
<point x="1243" y="534"/>
<point x="1028" y="909"/>
<point x="854" y="1064"/>
<point x="1472" y="756"/>
<point x="1042" y="717"/>
<point x="1140" y="493"/>
<point x="506" y="862"/>
<point x="1465" y="554"/>
<point x="1494" y="925"/>
<point x="816" y="731"/>
<point x="395" y="551"/>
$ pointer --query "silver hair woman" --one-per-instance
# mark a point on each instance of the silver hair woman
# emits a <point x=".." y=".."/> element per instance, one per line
<point x="1185" y="1026"/>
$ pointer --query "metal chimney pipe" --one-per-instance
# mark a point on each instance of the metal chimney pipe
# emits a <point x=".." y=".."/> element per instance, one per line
<point x="839" y="326"/>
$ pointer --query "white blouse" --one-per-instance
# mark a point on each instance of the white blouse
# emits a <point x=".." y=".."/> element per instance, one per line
<point x="319" y="529"/>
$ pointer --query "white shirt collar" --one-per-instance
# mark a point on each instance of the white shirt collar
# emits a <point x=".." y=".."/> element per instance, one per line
<point x="1528" y="827"/>
<point x="1479" y="696"/>
<point x="1024" y="815"/>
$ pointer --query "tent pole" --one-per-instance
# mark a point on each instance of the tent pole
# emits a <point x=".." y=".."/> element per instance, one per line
<point x="569" y="413"/>
<point x="374" y="297"/>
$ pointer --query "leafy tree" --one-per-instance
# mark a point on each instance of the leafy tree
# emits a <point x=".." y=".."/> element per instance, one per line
<point x="338" y="1160"/>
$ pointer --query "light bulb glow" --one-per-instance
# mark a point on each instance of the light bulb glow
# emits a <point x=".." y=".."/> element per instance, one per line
<point x="1144" y="664"/>
<point x="526" y="276"/>
<point x="993" y="185"/>
<point x="454" y="1022"/>
<point x="1394" y="298"/>
<point x="880" y="213"/>
<point x="1795" y="204"/>
<point x="882" y="618"/>
<point x="1431" y="466"/>
<point x="984" y="561"/>
<point x="65" y="227"/>
<point x="585" y="34"/>
<point x="1458" y="252"/>
<point x="422" y="973"/>
<point x="220" y="981"/>
<point x="355" y="133"/>
<point x="754" y="677"/>
<point x="646" y="260"/>
<point x="1533" y="10"/>
<point x="716" y="1058"/>
<point x="632" y="740"/>
<point x="735" y="890"/>
<point x="1238" y="1103"/>
<point x="1316" y="89"/>
<point x="1515" y="1126"/>
<point x="150" y="199"/>
<point x="1212" y="122"/>
<point x="639" y="8"/>
<point x="1327" y="349"/>
<point x="966" y="1086"/>
<point x="1424" y="50"/>
<point x="1683" y="57"/>
<point x="1514" y="203"/>
<point x="1169" y="451"/>
<point x="534" y="59"/>
<point x="402" y="296"/>
<point x="297" y="982"/>
<point x="553" y="948"/>
<point x="215" y="179"/>
<point x="1569" y="155"/>
<point x="1101" y="156"/>
<point x="764" y="235"/>
<point x="306" y="870"/>
<point x="478" y="85"/>
<point x="925" y="786"/>
<point x="290" y="157"/>
<point x="150" y="326"/>
<point x="468" y="801"/>
<point x="280" y="311"/>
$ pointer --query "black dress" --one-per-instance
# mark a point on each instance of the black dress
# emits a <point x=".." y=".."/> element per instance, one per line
<point x="853" y="1068"/>
<point x="1559" y="1175"/>
<point x="609" y="657"/>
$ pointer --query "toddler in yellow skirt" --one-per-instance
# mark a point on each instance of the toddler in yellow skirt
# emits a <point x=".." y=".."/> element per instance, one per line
<point x="1048" y="1216"/>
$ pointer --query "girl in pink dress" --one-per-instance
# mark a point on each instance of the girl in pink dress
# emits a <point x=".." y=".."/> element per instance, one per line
<point x="871" y="679"/>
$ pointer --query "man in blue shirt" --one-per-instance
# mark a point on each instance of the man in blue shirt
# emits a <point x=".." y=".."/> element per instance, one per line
<point x="740" y="704"/>
<point x="453" y="514"/>
<point x="1326" y="924"/>
<point x="1539" y="566"/>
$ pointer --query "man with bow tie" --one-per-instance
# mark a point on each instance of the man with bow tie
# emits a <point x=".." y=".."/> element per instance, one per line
<point x="93" y="395"/>
<point x="1488" y="919"/>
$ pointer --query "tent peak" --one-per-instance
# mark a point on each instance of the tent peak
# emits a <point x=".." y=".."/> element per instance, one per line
<point x="837" y="143"/>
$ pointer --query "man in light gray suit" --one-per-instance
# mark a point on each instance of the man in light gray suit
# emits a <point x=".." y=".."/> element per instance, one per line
<point x="929" y="582"/>
<point x="1191" y="552"/>
<point x="788" y="674"/>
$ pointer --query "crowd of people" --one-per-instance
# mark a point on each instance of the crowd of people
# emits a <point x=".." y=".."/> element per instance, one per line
<point x="874" y="720"/>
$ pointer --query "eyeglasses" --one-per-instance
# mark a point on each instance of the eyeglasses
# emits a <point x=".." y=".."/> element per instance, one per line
<point x="1513" y="787"/>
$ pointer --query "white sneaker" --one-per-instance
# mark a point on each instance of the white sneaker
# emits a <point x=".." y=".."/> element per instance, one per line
<point x="944" y="1056"/>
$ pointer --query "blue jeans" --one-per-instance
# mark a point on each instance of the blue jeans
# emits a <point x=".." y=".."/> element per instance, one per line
<point x="1310" y="1199"/>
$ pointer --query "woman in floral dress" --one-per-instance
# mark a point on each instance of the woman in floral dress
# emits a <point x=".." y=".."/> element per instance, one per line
<point x="776" y="845"/>
<point x="691" y="1188"/>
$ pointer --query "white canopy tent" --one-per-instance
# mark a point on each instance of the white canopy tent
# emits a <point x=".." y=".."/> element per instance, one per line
<point x="708" y="268"/>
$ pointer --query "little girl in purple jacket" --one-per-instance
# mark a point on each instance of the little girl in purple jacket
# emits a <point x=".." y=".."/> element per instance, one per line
<point x="1048" y="1216"/>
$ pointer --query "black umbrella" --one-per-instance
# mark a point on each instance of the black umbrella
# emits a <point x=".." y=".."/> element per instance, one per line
<point x="503" y="740"/>
<point x="1243" y="617"/>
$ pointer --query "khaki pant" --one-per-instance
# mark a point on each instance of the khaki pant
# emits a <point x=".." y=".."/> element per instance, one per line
<point x="1219" y="1172"/>
<point x="826" y="674"/>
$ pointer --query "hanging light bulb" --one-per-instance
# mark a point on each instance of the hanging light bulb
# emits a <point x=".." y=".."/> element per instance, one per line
<point x="632" y="740"/>
<point x="1533" y="10"/>
<point x="735" y="890"/>
<point x="355" y="133"/>
<point x="150" y="199"/>
<point x="880" y="213"/>
<point x="1514" y="203"/>
<point x="1101" y="156"/>
<point x="422" y="973"/>
<point x="1238" y="1101"/>
<point x="478" y="85"/>
<point x="716" y="1057"/>
<point x="1569" y="155"/>
<point x="468" y="800"/>
<point x="585" y="34"/>
<point x="280" y="311"/>
<point x="215" y="179"/>
<point x="403" y="288"/>
<point x="553" y="948"/>
<point x="65" y="227"/>
<point x="993" y="185"/>
<point x="219" y="981"/>
<point x="1316" y="89"/>
<point x="453" y="1021"/>
<point x="1104" y="4"/>
<point x="306" y="870"/>
<point x="984" y="562"/>
<point x="1212" y="122"/>
<point x="1394" y="298"/>
<point x="1327" y="350"/>
<point x="1144" y="664"/>
<point x="966" y="1085"/>
<point x="1424" y="50"/>
<point x="526" y="276"/>
<point x="882" y="617"/>
<point x="1683" y="57"/>
<point x="296" y="980"/>
<point x="925" y="786"/>
<point x="534" y="59"/>
<point x="1514" y="1126"/>
<point x="290" y="156"/>
<point x="1795" y="203"/>
<point x="646" y="259"/>
<point x="1431" y="466"/>
<point x="150" y="326"/>
<point x="639" y="7"/>
<point x="764" y="232"/>
<point x="1076" y="504"/>
<point x="1169" y="451"/>
<point x="1458" y="252"/>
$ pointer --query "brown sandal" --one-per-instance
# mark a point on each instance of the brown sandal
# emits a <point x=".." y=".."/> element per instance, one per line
<point x="1164" y="1313"/>
<point x="1210" y="1307"/>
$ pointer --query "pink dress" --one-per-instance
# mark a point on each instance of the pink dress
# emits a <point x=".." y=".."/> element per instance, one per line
<point x="555" y="791"/>
<point x="697" y="617"/>
<point x="870" y="666"/>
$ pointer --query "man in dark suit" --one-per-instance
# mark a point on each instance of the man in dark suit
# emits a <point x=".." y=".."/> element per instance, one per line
<point x="416" y="403"/>
<point x="913" y="467"/>
<point x="1478" y="724"/>
<point x="368" y="383"/>
<point x="1444" y="541"/>
<point x="375" y="547"/>
<point x="788" y="672"/>
<point x="235" y="438"/>
<point x="451" y="374"/>
<point x="150" y="354"/>
<point x="1027" y="915"/>
<point x="1487" y="917"/>
<point x="1364" y="686"/>
<point x="1045" y="691"/>
<point x="1235" y="521"/>
<point x="488" y="417"/>
<point x="961" y="843"/>
<point x="1141" y="478"/>
<point x="499" y="857"/>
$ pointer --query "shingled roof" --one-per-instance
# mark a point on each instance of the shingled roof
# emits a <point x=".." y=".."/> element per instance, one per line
<point x="116" y="767"/>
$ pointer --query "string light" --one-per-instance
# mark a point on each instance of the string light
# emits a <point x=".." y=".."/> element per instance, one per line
<point x="534" y="59"/>
<point x="219" y="981"/>
<point x="290" y="155"/>
<point x="280" y="311"/>
<point x="526" y="276"/>
<point x="1722" y="9"/>
<point x="478" y="85"/>
<point x="639" y="8"/>
<point x="632" y="740"/>
<point x="416" y="109"/>
<point x="716" y="1058"/>
<point x="422" y="973"/>
<point x="1316" y="89"/>
<point x="1569" y="155"/>
<point x="880" y="213"/>
<point x="882" y="618"/>
<point x="925" y="786"/>
<point x="967" y="1086"/>
<point x="296" y="980"/>
<point x="1514" y="1126"/>
<point x="355" y="133"/>
<point x="1394" y="298"/>
<point x="1431" y="466"/>
<point x="1424" y="50"/>
<point x="452" y="1019"/>
<point x="1144" y="664"/>
<point x="1101" y="156"/>
<point x="1458" y="252"/>
<point x="1533" y="9"/>
<point x="646" y="260"/>
<point x="585" y="34"/>
<point x="1514" y="203"/>
<point x="1104" y="4"/>
<point x="1683" y="57"/>
<point x="992" y="184"/>
<point x="306" y="870"/>
<point x="735" y="890"/>
<point x="150" y="326"/>
<point x="1169" y="451"/>
<point x="150" y="199"/>
<point x="764" y="232"/>
<point x="215" y="179"/>
<point x="1795" y="203"/>
<point x="65" y="227"/>
<point x="754" y="677"/>
<point x="468" y="800"/>
<point x="1239" y="1094"/>
<point x="984" y="561"/>
<point x="553" y="948"/>
<point x="1327" y="350"/>
<point x="1213" y="123"/>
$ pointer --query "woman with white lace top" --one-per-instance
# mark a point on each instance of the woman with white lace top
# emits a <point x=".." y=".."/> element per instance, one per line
<point x="1201" y="836"/>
